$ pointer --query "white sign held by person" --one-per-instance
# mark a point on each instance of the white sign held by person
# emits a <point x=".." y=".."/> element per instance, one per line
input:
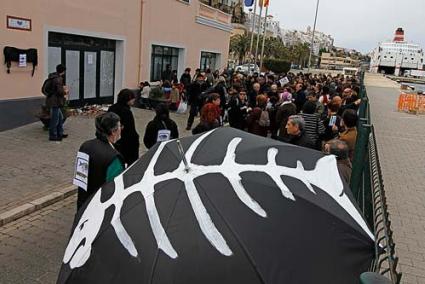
<point x="81" y="170"/>
<point x="284" y="81"/>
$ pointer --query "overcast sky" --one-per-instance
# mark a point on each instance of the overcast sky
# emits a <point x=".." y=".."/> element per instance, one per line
<point x="358" y="24"/>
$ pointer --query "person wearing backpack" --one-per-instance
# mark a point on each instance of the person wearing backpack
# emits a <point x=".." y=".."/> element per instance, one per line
<point x="55" y="91"/>
<point x="258" y="120"/>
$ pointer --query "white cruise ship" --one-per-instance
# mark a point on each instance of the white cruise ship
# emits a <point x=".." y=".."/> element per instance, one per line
<point x="396" y="57"/>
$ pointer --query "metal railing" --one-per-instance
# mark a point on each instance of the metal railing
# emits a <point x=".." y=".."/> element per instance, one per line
<point x="368" y="189"/>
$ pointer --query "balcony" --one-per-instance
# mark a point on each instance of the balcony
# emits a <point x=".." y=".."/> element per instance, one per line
<point x="212" y="17"/>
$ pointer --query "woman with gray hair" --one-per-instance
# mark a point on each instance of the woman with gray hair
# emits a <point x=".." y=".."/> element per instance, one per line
<point x="97" y="160"/>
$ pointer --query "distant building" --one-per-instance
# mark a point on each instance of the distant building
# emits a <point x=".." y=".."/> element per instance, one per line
<point x="395" y="57"/>
<point x="321" y="40"/>
<point x="272" y="28"/>
<point x="332" y="62"/>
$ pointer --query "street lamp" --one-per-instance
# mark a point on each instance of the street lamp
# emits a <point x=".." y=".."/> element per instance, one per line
<point x="312" y="37"/>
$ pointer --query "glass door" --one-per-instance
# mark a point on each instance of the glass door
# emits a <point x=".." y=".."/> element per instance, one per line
<point x="72" y="75"/>
<point x="90" y="69"/>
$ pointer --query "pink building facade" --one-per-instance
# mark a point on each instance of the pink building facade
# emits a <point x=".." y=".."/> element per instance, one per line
<point x="105" y="46"/>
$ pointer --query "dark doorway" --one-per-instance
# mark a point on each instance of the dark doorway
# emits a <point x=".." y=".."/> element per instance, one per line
<point x="90" y="64"/>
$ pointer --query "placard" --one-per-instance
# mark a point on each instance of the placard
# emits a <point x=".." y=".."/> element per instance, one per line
<point x="22" y="60"/>
<point x="18" y="23"/>
<point x="81" y="173"/>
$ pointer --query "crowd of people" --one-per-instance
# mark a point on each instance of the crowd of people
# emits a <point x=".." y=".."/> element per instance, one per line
<point x="315" y="111"/>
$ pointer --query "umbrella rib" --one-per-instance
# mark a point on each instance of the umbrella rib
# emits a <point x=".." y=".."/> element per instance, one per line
<point x="241" y="244"/>
<point x="155" y="262"/>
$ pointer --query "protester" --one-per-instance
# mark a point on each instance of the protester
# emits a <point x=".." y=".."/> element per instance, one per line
<point x="129" y="143"/>
<point x="161" y="128"/>
<point x="238" y="110"/>
<point x="296" y="134"/>
<point x="258" y="121"/>
<point x="166" y="75"/>
<point x="284" y="111"/>
<point x="56" y="97"/>
<point x="349" y="122"/>
<point x="300" y="96"/>
<point x="340" y="150"/>
<point x="104" y="161"/>
<point x="313" y="126"/>
<point x="144" y="95"/>
<point x="186" y="79"/>
<point x="195" y="98"/>
<point x="332" y="123"/>
<point x="208" y="119"/>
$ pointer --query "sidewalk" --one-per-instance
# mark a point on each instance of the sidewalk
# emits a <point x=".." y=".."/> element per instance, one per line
<point x="33" y="167"/>
<point x="401" y="146"/>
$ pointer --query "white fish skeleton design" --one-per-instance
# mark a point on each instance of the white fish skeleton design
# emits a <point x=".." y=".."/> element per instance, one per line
<point x="90" y="222"/>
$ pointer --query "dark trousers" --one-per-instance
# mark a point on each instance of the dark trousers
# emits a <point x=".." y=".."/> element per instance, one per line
<point x="194" y="109"/>
<point x="56" y="123"/>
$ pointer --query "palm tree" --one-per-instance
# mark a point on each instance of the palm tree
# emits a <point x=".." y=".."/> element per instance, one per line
<point x="239" y="46"/>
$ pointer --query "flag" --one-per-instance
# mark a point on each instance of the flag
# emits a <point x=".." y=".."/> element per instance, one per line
<point x="249" y="3"/>
<point x="264" y="3"/>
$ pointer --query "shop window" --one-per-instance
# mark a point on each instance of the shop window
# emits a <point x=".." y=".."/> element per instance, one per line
<point x="161" y="57"/>
<point x="208" y="61"/>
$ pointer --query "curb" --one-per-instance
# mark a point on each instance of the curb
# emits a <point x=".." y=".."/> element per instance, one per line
<point x="37" y="204"/>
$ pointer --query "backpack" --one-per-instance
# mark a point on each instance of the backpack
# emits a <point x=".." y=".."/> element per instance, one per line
<point x="264" y="120"/>
<point x="48" y="88"/>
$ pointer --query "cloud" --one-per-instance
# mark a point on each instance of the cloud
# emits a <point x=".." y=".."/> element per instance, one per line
<point x="359" y="24"/>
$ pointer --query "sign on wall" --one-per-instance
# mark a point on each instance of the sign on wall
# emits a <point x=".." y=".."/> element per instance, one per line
<point x="18" y="23"/>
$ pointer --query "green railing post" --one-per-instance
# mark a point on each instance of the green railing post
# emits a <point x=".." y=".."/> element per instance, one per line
<point x="360" y="159"/>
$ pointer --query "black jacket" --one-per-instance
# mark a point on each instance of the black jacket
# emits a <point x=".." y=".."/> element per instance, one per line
<point x="151" y="133"/>
<point x="204" y="127"/>
<point x="185" y="79"/>
<point x="237" y="112"/>
<point x="101" y="154"/>
<point x="57" y="99"/>
<point x="129" y="143"/>
<point x="195" y="91"/>
<point x="300" y="140"/>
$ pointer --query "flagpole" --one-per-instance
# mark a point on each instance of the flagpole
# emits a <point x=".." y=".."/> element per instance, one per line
<point x="253" y="28"/>
<point x="264" y="37"/>
<point x="258" y="32"/>
<point x="312" y="37"/>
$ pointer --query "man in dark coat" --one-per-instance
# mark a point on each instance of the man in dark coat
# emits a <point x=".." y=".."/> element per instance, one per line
<point x="166" y="75"/>
<point x="161" y="128"/>
<point x="55" y="101"/>
<point x="296" y="133"/>
<point x="300" y="97"/>
<point x="195" y="99"/>
<point x="186" y="79"/>
<point x="238" y="110"/>
<point x="129" y="143"/>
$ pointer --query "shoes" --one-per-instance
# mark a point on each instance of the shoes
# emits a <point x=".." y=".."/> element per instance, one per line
<point x="64" y="135"/>
<point x="55" y="139"/>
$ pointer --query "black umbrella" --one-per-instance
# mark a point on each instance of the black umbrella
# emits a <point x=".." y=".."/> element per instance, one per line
<point x="238" y="208"/>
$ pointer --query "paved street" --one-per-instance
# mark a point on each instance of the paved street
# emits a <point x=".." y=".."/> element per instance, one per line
<point x="31" y="248"/>
<point x="401" y="146"/>
<point x="32" y="166"/>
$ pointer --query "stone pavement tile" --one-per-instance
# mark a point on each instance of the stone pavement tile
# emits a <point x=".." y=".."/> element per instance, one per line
<point x="401" y="149"/>
<point x="28" y="170"/>
<point x="34" y="254"/>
